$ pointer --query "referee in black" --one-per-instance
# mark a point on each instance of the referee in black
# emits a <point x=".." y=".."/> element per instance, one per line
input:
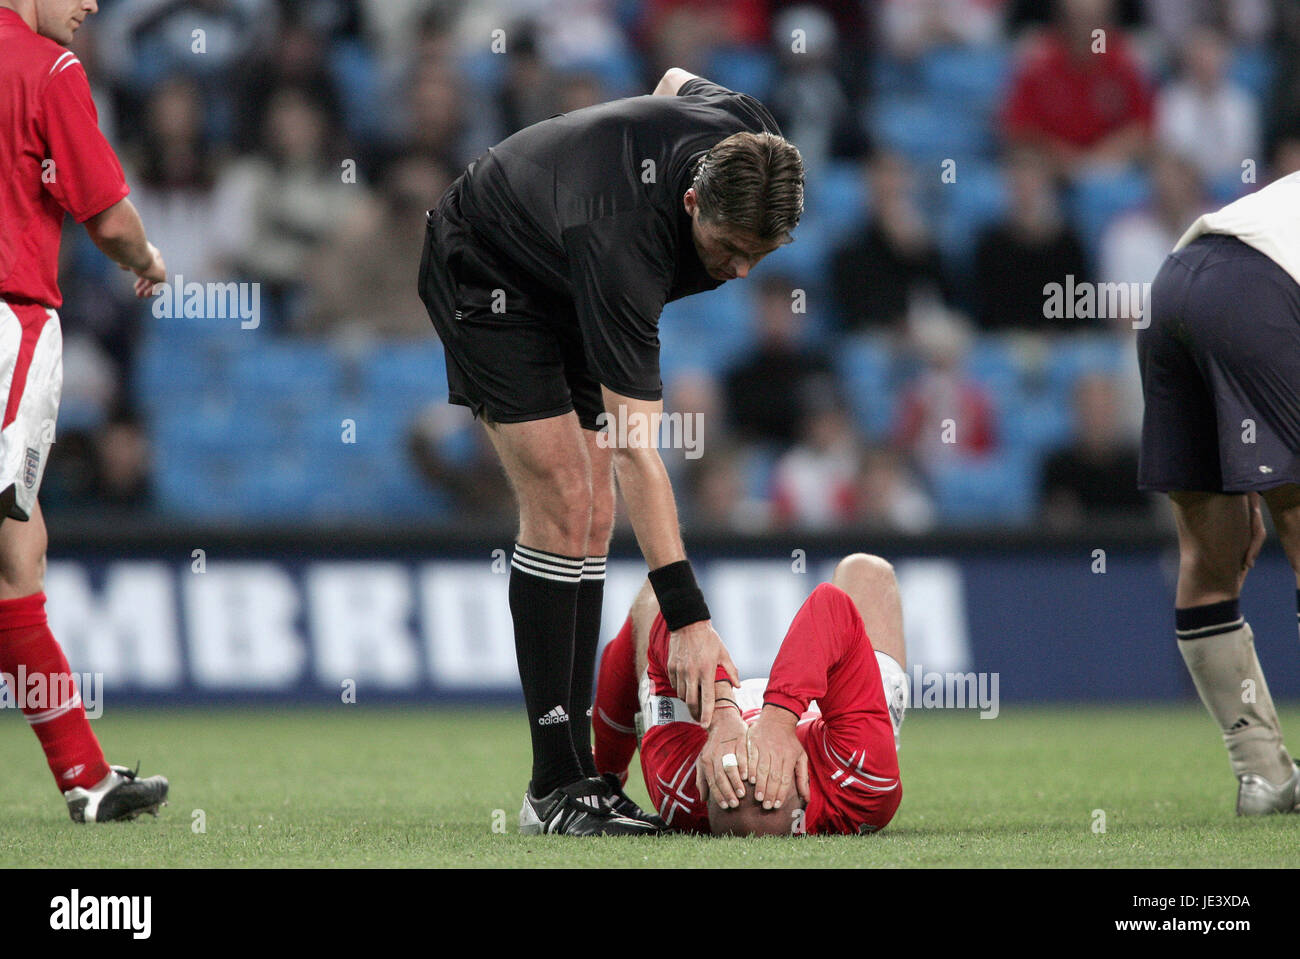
<point x="546" y="266"/>
<point x="1220" y="361"/>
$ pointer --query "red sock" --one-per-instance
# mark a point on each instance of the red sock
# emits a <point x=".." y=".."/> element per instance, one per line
<point x="29" y="649"/>
<point x="614" y="716"/>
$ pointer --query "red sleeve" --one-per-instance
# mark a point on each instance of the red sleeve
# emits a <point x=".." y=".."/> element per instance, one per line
<point x="852" y="763"/>
<point x="86" y="177"/>
<point x="826" y="628"/>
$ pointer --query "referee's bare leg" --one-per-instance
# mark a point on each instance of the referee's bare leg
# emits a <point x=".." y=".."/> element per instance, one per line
<point x="549" y="467"/>
<point x="564" y="482"/>
<point x="1219" y="537"/>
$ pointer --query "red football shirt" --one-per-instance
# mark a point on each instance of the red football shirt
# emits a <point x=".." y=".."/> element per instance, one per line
<point x="852" y="761"/>
<point x="1077" y="101"/>
<point x="53" y="158"/>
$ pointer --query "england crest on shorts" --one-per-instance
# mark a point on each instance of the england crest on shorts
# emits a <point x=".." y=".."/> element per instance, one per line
<point x="31" y="467"/>
<point x="665" y="712"/>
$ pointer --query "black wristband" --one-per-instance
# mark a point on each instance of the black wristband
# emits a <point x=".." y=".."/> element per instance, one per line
<point x="680" y="599"/>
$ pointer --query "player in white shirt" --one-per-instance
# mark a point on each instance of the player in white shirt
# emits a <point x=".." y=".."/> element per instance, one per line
<point x="1220" y="365"/>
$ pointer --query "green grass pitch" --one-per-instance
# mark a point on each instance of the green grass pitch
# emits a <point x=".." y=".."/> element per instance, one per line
<point x="368" y="786"/>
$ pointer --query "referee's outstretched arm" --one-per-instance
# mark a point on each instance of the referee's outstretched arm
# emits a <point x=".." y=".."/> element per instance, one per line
<point x="695" y="649"/>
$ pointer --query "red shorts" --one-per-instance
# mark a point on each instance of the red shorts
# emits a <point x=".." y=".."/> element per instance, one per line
<point x="848" y="736"/>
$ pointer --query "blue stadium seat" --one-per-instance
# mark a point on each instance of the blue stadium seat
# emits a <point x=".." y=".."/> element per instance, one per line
<point x="1254" y="68"/>
<point x="837" y="199"/>
<point x="757" y="467"/>
<point x="890" y="77"/>
<point x="972" y="76"/>
<point x="1076" y="355"/>
<point x="806" y="260"/>
<point x="930" y="129"/>
<point x="483" y="69"/>
<point x="907" y="123"/>
<point x="708" y="331"/>
<point x="285" y="367"/>
<point x="618" y="71"/>
<point x="1034" y="423"/>
<point x="742" y="69"/>
<point x="993" y="363"/>
<point x="997" y="489"/>
<point x="417" y="369"/>
<point x="865" y="368"/>
<point x="1096" y="200"/>
<point x="357" y="80"/>
<point x="977" y="199"/>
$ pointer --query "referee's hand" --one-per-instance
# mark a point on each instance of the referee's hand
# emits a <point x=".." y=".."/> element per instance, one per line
<point x="694" y="654"/>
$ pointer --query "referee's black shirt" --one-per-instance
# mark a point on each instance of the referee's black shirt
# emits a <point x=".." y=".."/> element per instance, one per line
<point x="589" y="205"/>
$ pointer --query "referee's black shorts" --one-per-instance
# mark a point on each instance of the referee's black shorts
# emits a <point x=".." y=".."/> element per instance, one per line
<point x="1220" y="364"/>
<point x="514" y="350"/>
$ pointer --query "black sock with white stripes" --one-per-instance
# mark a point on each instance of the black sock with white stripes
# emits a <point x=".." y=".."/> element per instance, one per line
<point x="586" y="637"/>
<point x="1200" y="622"/>
<point x="543" y="604"/>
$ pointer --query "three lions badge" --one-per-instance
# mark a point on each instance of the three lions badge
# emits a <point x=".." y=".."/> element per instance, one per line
<point x="31" y="467"/>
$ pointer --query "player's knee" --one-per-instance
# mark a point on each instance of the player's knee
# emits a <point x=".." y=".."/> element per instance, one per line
<point x="567" y="496"/>
<point x="863" y="570"/>
<point x="1215" y="569"/>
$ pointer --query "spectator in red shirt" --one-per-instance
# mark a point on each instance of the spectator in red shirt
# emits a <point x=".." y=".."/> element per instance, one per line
<point x="1080" y="94"/>
<point x="944" y="415"/>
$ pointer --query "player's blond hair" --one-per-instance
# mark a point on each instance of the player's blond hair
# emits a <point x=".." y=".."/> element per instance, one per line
<point x="753" y="182"/>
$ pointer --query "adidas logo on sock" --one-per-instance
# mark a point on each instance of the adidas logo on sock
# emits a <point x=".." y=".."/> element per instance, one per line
<point x="556" y="715"/>
<point x="1241" y="723"/>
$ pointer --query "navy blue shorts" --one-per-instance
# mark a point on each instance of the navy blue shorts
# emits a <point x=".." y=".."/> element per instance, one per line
<point x="1220" y="364"/>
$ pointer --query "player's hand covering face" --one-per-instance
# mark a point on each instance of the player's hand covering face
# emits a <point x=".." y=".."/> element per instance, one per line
<point x="723" y="763"/>
<point x="777" y="763"/>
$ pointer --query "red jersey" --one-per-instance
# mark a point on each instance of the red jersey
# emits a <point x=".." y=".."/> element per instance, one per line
<point x="852" y="761"/>
<point x="53" y="159"/>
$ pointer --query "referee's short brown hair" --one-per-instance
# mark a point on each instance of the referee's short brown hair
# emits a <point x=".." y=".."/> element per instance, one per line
<point x="752" y="182"/>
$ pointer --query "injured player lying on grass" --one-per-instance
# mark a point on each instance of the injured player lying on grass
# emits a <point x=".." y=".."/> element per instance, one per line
<point x="813" y="748"/>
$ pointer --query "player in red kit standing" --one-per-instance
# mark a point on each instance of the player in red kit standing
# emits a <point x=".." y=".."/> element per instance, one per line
<point x="53" y="159"/>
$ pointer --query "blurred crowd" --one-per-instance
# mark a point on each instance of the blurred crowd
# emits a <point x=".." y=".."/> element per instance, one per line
<point x="865" y="376"/>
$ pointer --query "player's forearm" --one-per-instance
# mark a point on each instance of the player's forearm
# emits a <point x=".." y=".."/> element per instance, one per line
<point x="649" y="496"/>
<point x="119" y="233"/>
